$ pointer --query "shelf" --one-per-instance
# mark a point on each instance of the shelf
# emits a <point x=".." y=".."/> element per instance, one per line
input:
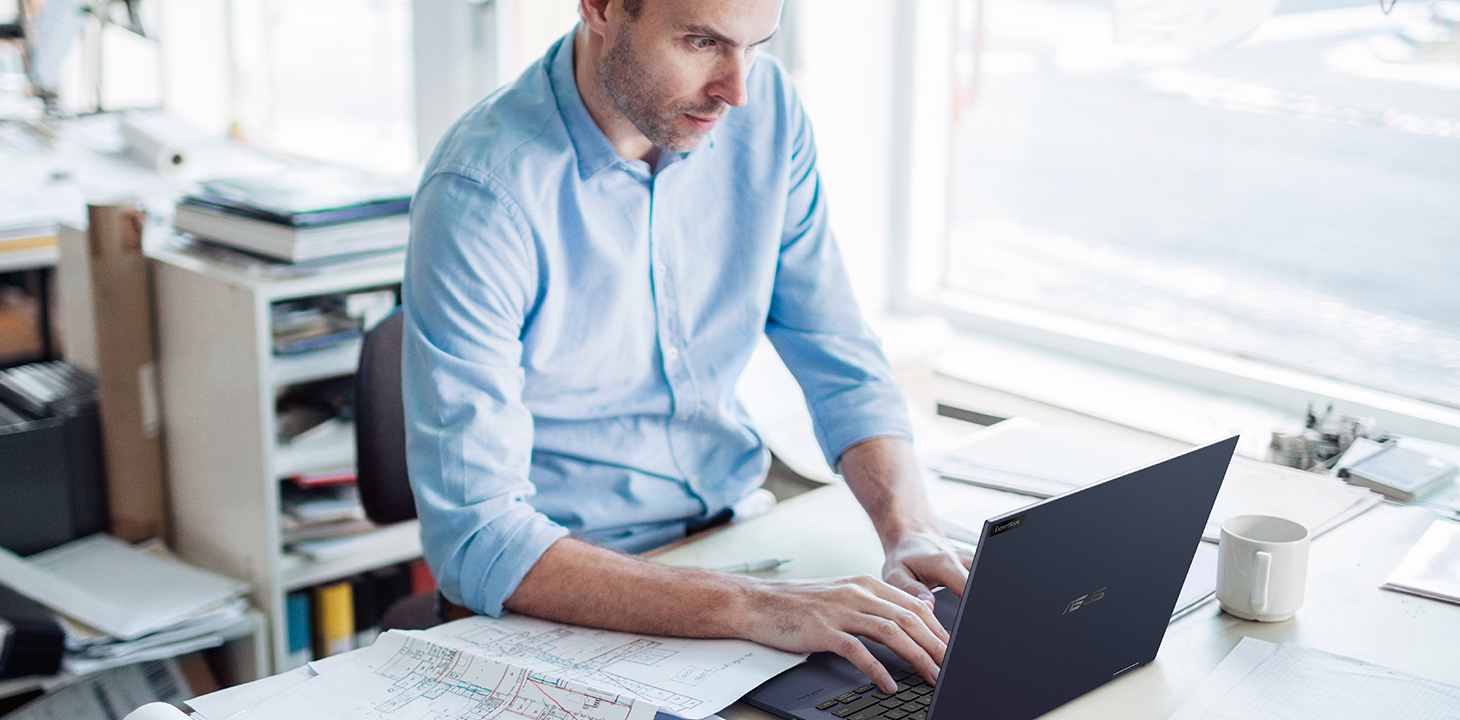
<point x="29" y="258"/>
<point x="389" y="545"/>
<point x="329" y="362"/>
<point x="323" y="453"/>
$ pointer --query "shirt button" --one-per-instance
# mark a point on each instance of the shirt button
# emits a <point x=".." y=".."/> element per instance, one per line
<point x="672" y="354"/>
<point x="659" y="268"/>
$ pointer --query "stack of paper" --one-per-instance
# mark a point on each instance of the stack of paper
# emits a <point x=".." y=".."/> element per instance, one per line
<point x="1040" y="460"/>
<point x="1262" y="680"/>
<point x="1317" y="502"/>
<point x="122" y="604"/>
<point x="1432" y="567"/>
<point x="479" y="666"/>
<point x="1034" y="458"/>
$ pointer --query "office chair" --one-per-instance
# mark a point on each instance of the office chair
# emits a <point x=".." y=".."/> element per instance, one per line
<point x="380" y="455"/>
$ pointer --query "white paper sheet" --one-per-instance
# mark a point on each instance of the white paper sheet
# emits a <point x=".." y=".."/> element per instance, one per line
<point x="1432" y="567"/>
<point x="409" y="677"/>
<point x="690" y="678"/>
<point x="121" y="590"/>
<point x="1317" y="502"/>
<point x="1260" y="680"/>
<point x="227" y="702"/>
<point x="1039" y="459"/>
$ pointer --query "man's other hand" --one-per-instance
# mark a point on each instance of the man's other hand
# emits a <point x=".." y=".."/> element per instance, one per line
<point x="918" y="562"/>
<point x="817" y="615"/>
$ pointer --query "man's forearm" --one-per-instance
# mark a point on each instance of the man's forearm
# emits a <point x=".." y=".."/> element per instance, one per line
<point x="583" y="584"/>
<point x="883" y="474"/>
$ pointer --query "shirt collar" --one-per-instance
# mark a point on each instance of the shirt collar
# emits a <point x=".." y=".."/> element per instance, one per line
<point x="594" y="150"/>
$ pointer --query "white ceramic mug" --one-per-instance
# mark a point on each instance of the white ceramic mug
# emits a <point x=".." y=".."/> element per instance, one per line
<point x="1262" y="567"/>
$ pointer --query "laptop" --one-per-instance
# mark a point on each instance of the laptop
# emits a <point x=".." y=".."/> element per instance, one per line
<point x="1064" y="596"/>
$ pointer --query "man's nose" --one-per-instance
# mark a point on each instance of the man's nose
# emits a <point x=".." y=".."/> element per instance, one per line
<point x="729" y="85"/>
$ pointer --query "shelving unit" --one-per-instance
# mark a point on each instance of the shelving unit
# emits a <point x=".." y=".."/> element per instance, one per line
<point x="219" y="380"/>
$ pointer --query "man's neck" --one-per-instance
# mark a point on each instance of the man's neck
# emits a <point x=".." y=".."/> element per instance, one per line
<point x="588" y="50"/>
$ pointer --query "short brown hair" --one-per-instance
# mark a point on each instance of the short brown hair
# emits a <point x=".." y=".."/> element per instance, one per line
<point x="632" y="7"/>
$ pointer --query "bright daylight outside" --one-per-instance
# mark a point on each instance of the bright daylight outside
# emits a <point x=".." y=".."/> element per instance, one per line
<point x="1293" y="199"/>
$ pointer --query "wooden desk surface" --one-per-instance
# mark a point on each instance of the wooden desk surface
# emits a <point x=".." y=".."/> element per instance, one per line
<point x="826" y="534"/>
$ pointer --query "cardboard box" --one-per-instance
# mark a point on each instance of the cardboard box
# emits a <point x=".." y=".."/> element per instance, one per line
<point x="108" y="327"/>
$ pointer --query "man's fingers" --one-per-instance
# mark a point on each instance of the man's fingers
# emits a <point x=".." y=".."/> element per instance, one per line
<point x="945" y="570"/>
<point x="849" y="647"/>
<point x="950" y="574"/>
<point x="904" y="598"/>
<point x="905" y="581"/>
<point x="965" y="555"/>
<point x="919" y="648"/>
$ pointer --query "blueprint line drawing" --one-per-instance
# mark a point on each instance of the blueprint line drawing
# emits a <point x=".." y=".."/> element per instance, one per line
<point x="688" y="678"/>
<point x="411" y="678"/>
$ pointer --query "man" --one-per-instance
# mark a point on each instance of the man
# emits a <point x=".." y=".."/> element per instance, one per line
<point x="595" y="250"/>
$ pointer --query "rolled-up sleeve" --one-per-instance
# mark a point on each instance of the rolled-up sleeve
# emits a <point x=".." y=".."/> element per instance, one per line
<point x="469" y="285"/>
<point x="816" y="326"/>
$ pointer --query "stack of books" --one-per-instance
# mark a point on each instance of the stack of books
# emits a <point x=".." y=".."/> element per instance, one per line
<point x="301" y="214"/>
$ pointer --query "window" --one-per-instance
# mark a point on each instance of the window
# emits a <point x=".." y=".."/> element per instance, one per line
<point x="329" y="80"/>
<point x="1290" y="200"/>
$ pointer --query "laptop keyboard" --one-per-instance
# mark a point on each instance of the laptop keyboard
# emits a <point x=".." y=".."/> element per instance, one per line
<point x="910" y="702"/>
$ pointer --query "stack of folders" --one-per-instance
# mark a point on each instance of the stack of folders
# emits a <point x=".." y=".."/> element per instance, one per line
<point x="120" y="604"/>
<point x="302" y="214"/>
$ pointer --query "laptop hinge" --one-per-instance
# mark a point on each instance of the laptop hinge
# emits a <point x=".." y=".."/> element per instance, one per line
<point x="1132" y="666"/>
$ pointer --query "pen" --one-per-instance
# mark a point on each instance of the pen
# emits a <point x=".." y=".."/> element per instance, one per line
<point x="753" y="567"/>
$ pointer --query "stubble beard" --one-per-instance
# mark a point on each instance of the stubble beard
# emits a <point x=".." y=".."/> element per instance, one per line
<point x="631" y="89"/>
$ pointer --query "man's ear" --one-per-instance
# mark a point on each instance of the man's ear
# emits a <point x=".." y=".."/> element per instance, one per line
<point x="595" y="14"/>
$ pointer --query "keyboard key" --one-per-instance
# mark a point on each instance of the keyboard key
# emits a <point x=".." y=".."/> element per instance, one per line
<point x="903" y="685"/>
<point x="894" y="715"/>
<point x="829" y="704"/>
<point x="923" y="689"/>
<point x="869" y="687"/>
<point x="869" y="713"/>
<point x="890" y="703"/>
<point x="854" y="706"/>
<point x="902" y="674"/>
<point x="926" y="700"/>
<point x="880" y="695"/>
<point x="910" y="707"/>
<point x="920" y="715"/>
<point x="907" y="696"/>
<point x="848" y="696"/>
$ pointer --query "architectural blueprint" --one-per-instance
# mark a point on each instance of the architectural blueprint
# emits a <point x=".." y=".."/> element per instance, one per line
<point x="685" y="677"/>
<point x="408" y="677"/>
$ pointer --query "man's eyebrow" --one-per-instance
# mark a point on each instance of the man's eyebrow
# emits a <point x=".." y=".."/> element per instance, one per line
<point x="719" y="37"/>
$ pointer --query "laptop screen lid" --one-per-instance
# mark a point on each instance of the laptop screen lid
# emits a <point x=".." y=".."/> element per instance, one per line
<point x="1073" y="591"/>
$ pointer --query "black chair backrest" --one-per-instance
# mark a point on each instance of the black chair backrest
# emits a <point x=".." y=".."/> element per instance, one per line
<point x="380" y="426"/>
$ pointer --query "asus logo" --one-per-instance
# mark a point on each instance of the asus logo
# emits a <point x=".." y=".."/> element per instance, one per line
<point x="1084" y="600"/>
<point x="1007" y="525"/>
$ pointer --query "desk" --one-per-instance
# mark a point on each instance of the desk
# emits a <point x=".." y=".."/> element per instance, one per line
<point x="1345" y="612"/>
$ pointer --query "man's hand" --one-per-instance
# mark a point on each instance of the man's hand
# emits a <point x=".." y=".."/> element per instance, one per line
<point x="917" y="562"/>
<point x="811" y="616"/>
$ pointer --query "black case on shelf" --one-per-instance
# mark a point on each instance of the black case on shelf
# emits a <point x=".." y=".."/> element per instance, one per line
<point x="33" y="641"/>
<point x="51" y="476"/>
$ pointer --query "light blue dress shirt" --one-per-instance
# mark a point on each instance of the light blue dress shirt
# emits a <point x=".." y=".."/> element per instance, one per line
<point x="575" y="325"/>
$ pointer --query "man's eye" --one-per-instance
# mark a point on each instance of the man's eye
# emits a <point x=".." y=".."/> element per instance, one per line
<point x="702" y="43"/>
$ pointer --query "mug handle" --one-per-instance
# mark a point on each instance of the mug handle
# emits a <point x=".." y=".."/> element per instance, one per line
<point x="1261" y="576"/>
